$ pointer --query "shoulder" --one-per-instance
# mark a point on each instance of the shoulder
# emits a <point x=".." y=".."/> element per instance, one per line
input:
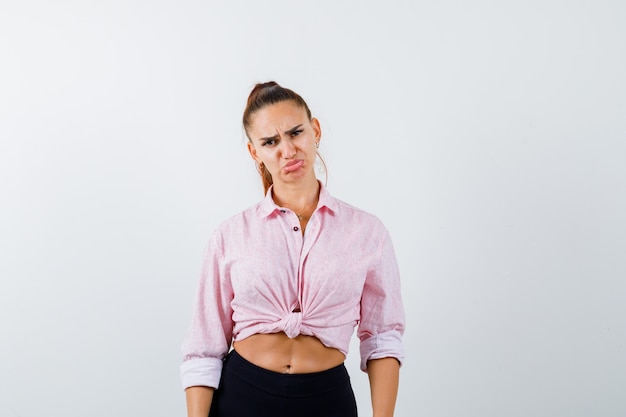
<point x="235" y="224"/>
<point x="350" y="209"/>
<point x="357" y="217"/>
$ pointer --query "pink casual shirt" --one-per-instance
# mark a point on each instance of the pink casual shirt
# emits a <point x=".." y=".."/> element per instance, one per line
<point x="260" y="269"/>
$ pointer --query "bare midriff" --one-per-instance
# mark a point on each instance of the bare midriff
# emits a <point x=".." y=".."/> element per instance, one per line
<point x="277" y="352"/>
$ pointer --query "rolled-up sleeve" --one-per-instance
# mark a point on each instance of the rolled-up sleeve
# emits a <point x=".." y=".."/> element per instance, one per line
<point x="210" y="334"/>
<point x="382" y="314"/>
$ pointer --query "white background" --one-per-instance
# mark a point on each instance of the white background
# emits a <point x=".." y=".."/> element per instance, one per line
<point x="489" y="136"/>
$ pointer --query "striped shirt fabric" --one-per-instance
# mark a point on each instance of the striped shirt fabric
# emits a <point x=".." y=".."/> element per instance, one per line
<point x="261" y="274"/>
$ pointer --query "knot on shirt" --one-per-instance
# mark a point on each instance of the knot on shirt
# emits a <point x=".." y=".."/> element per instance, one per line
<point x="291" y="324"/>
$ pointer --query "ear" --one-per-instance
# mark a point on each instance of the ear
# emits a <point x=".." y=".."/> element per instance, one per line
<point x="252" y="152"/>
<point x="316" y="128"/>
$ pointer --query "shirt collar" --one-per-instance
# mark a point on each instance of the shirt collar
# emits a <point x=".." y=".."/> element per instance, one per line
<point x="267" y="206"/>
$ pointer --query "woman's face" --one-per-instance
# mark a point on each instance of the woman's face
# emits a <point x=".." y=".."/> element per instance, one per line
<point x="284" y="139"/>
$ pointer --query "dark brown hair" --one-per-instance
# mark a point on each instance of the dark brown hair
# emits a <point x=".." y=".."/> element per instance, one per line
<point x="266" y="94"/>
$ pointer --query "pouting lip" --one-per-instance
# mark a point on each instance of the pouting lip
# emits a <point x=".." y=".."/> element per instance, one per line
<point x="292" y="163"/>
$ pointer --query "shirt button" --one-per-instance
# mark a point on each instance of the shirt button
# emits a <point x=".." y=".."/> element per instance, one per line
<point x="296" y="228"/>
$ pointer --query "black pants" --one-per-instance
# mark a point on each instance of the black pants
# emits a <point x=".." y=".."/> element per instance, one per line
<point x="247" y="390"/>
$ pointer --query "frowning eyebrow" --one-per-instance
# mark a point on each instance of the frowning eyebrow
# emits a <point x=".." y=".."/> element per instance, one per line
<point x="286" y="132"/>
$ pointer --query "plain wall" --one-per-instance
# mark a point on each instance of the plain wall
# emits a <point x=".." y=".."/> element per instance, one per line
<point x="489" y="136"/>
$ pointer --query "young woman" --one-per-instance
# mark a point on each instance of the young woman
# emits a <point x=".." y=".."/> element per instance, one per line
<point x="286" y="282"/>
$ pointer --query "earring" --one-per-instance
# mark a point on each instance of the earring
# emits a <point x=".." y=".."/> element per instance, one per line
<point x="317" y="145"/>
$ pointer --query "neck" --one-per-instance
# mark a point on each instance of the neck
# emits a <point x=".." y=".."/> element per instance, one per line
<point x="301" y="198"/>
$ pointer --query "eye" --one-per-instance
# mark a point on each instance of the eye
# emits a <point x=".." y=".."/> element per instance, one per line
<point x="269" y="142"/>
<point x="296" y="133"/>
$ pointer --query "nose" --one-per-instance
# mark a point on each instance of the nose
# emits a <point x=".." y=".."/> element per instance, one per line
<point x="288" y="150"/>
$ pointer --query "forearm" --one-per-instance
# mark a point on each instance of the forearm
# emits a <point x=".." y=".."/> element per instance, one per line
<point x="384" y="375"/>
<point x="199" y="401"/>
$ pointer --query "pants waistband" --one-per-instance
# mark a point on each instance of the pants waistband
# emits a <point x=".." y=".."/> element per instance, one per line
<point x="285" y="384"/>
